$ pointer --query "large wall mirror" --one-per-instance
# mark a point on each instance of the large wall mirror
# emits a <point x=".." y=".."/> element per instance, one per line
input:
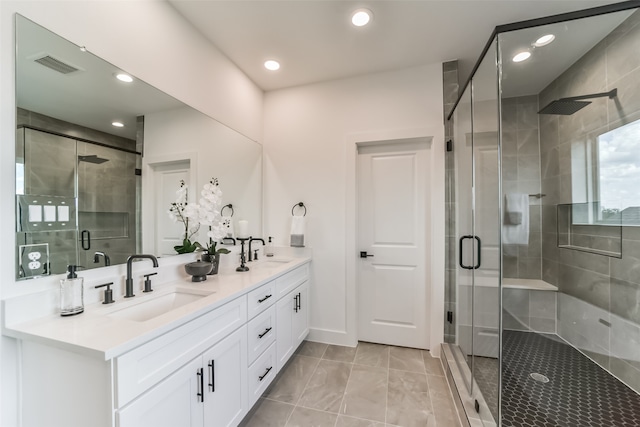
<point x="86" y="186"/>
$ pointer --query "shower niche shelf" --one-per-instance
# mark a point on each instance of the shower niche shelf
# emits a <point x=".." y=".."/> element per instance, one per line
<point x="586" y="227"/>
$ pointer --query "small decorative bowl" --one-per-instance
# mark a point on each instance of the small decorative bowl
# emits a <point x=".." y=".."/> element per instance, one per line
<point x="198" y="270"/>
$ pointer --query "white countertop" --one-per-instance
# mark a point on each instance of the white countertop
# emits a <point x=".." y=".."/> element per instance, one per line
<point x="97" y="334"/>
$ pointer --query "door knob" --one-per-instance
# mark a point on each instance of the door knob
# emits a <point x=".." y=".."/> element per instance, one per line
<point x="363" y="254"/>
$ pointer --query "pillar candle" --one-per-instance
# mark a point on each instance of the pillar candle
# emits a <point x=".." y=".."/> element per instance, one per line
<point x="243" y="229"/>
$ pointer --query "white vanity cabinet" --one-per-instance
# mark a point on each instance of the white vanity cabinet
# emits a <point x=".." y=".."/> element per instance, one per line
<point x="156" y="383"/>
<point x="204" y="369"/>
<point x="280" y="324"/>
<point x="208" y="391"/>
<point x="292" y="322"/>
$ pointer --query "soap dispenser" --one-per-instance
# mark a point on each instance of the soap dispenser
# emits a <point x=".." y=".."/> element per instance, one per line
<point x="71" y="293"/>
<point x="268" y="251"/>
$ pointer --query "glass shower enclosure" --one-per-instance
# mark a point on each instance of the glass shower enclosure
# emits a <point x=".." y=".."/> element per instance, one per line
<point x="543" y="257"/>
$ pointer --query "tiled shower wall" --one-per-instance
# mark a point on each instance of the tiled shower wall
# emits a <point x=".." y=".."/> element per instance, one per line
<point x="521" y="174"/>
<point x="599" y="296"/>
<point x="450" y="94"/>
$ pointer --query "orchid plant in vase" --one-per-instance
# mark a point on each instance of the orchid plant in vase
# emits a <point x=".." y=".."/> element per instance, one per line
<point x="210" y="216"/>
<point x="187" y="213"/>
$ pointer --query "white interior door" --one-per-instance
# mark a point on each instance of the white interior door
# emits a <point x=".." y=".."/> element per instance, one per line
<point x="393" y="229"/>
<point x="167" y="181"/>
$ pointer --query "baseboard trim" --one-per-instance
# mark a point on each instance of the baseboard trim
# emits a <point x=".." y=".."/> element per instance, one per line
<point x="329" y="336"/>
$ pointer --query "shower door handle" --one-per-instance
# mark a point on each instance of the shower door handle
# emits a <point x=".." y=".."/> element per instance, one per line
<point x="477" y="266"/>
<point x="461" y="251"/>
<point x="86" y="245"/>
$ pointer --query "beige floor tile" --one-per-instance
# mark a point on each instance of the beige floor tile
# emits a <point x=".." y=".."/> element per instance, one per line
<point x="357" y="383"/>
<point x="442" y="401"/>
<point x="366" y="394"/>
<point x="290" y="383"/>
<point x="372" y="354"/>
<point x="326" y="386"/>
<point x="432" y="364"/>
<point x="408" y="400"/>
<point x="305" y="417"/>
<point x="406" y="359"/>
<point x="344" y="421"/>
<point x="268" y="413"/>
<point x="311" y="349"/>
<point x="340" y="353"/>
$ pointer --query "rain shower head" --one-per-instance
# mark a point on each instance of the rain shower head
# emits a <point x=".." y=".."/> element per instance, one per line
<point x="568" y="106"/>
<point x="92" y="159"/>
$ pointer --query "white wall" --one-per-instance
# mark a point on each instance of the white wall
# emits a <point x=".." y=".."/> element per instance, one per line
<point x="308" y="132"/>
<point x="147" y="38"/>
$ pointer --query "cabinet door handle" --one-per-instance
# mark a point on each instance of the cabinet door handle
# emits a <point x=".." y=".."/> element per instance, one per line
<point x="212" y="371"/>
<point x="266" y="331"/>
<point x="264" y="299"/>
<point x="299" y="299"/>
<point x="295" y="303"/>
<point x="200" y="385"/>
<point x="265" y="374"/>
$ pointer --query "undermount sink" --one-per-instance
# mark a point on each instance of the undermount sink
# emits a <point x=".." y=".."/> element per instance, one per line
<point x="272" y="262"/>
<point x="154" y="307"/>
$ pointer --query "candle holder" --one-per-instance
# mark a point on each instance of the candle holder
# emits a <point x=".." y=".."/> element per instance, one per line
<point x="242" y="257"/>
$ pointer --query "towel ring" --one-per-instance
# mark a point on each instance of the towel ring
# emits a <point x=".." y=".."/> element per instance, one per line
<point x="302" y="206"/>
<point x="230" y="206"/>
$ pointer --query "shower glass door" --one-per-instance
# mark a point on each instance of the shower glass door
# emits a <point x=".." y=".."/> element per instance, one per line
<point x="477" y="230"/>
<point x="463" y="226"/>
<point x="106" y="204"/>
<point x="486" y="231"/>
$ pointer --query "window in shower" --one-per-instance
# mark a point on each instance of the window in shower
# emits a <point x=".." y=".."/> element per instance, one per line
<point x="618" y="184"/>
<point x="605" y="178"/>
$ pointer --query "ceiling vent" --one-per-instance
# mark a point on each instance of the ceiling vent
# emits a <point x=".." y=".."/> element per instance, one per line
<point x="56" y="64"/>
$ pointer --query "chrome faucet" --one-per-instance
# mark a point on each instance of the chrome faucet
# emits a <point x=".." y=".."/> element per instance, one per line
<point x="251" y="239"/>
<point x="129" y="282"/>
<point x="98" y="254"/>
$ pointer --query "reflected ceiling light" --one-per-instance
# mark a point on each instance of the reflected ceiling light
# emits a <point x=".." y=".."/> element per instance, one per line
<point x="361" y="17"/>
<point x="272" y="65"/>
<point x="522" y="56"/>
<point x="544" y="40"/>
<point x="124" y="77"/>
<point x="117" y="124"/>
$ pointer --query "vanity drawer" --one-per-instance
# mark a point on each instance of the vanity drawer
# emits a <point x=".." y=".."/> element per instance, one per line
<point x="260" y="299"/>
<point x="262" y="333"/>
<point x="261" y="373"/>
<point x="141" y="368"/>
<point x="287" y="282"/>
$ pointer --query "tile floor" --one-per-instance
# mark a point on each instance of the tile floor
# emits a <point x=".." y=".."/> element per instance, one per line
<point x="371" y="385"/>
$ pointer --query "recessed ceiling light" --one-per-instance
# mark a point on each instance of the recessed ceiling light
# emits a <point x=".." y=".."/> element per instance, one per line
<point x="361" y="17"/>
<point x="272" y="65"/>
<point x="544" y="40"/>
<point x="117" y="124"/>
<point x="522" y="56"/>
<point x="124" y="77"/>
